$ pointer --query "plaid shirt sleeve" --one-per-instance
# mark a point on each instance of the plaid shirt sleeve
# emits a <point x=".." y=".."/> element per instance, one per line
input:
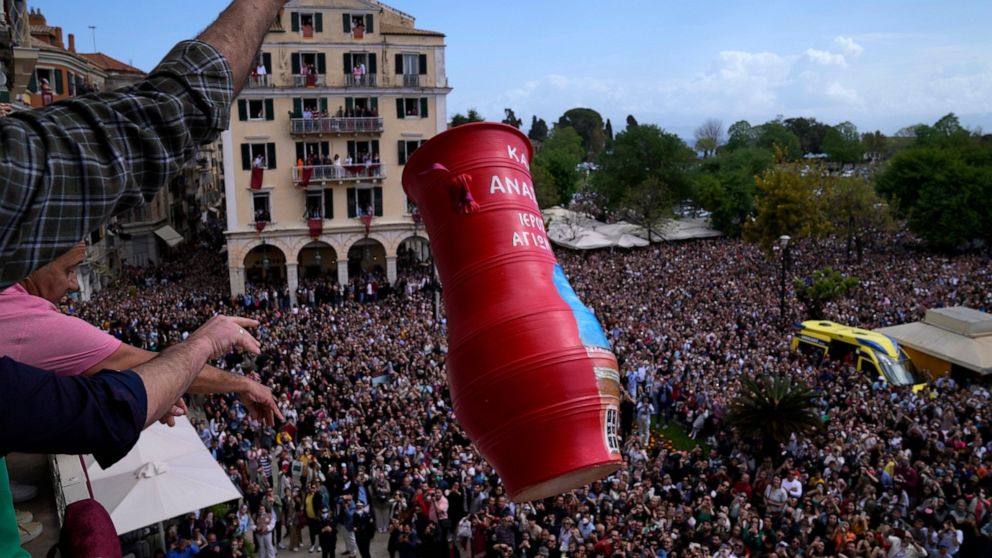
<point x="67" y="168"/>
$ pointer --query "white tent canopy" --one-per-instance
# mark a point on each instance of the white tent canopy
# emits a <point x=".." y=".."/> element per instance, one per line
<point x="578" y="231"/>
<point x="166" y="474"/>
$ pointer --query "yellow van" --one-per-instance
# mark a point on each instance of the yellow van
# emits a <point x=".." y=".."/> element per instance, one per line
<point x="873" y="353"/>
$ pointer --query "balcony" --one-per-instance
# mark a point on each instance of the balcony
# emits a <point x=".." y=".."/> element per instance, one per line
<point x="320" y="174"/>
<point x="411" y="80"/>
<point x="258" y="82"/>
<point x="309" y="80"/>
<point x="334" y="125"/>
<point x="367" y="80"/>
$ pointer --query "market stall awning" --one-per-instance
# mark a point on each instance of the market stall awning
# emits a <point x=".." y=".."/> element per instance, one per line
<point x="169" y="235"/>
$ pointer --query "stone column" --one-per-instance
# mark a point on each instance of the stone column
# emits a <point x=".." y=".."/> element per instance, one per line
<point x="391" y="269"/>
<point x="237" y="275"/>
<point x="343" y="271"/>
<point x="293" y="281"/>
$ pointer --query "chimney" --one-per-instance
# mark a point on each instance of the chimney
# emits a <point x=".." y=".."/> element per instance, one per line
<point x="58" y="37"/>
<point x="36" y="18"/>
<point x="72" y="43"/>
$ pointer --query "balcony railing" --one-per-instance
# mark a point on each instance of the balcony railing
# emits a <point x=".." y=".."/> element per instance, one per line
<point x="256" y="81"/>
<point x="309" y="80"/>
<point x="335" y="125"/>
<point x="411" y="80"/>
<point x="367" y="80"/>
<point x="326" y="173"/>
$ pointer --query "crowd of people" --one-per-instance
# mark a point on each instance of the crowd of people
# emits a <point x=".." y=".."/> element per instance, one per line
<point x="371" y="449"/>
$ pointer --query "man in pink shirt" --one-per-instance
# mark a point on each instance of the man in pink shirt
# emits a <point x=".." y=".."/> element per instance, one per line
<point x="34" y="332"/>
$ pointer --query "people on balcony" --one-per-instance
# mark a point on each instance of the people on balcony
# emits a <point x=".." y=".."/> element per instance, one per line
<point x="262" y="216"/>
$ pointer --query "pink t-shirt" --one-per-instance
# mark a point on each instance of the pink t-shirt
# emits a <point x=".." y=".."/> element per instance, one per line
<point x="34" y="332"/>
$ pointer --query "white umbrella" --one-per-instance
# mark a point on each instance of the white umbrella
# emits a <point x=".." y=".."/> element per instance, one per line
<point x="166" y="474"/>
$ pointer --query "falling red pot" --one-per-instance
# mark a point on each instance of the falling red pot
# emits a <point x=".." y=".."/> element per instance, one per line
<point x="533" y="380"/>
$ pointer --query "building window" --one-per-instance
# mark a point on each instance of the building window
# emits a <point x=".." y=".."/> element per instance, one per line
<point x="360" y="69"/>
<point x="307" y="23"/>
<point x="360" y="106"/>
<point x="406" y="148"/>
<point x="364" y="201"/>
<point x="258" y="154"/>
<point x="255" y="109"/>
<point x="358" y="24"/>
<point x="320" y="204"/>
<point x="313" y="152"/>
<point x="358" y="151"/>
<point x="411" y="107"/>
<point x="261" y="208"/>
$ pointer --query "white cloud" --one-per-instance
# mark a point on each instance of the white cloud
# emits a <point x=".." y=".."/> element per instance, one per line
<point x="848" y="46"/>
<point x="843" y="94"/>
<point x="825" y="58"/>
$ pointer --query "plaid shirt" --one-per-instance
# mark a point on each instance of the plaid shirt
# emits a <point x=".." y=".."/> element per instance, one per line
<point x="68" y="168"/>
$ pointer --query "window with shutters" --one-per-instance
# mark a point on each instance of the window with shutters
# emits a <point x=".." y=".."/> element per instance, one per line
<point x="258" y="154"/>
<point x="256" y="109"/>
<point x="358" y="151"/>
<point x="358" y="25"/>
<point x="406" y="148"/>
<point x="261" y="209"/>
<point x="360" y="69"/>
<point x="411" y="107"/>
<point x="313" y="152"/>
<point x="307" y="23"/>
<point x="411" y="66"/>
<point x="315" y="205"/>
<point x="308" y="69"/>
<point x="45" y="76"/>
<point x="364" y="201"/>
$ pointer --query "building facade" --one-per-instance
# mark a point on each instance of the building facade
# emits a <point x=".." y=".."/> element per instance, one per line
<point x="344" y="92"/>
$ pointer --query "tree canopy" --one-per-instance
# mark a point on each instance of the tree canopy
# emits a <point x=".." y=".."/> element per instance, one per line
<point x="789" y="202"/>
<point x="538" y="130"/>
<point x="589" y="125"/>
<point x="843" y="143"/>
<point x="724" y="186"/>
<point x="511" y="119"/>
<point x="554" y="167"/>
<point x="473" y="116"/>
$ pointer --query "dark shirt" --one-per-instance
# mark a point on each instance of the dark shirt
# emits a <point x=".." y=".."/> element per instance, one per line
<point x="42" y="412"/>
<point x="69" y="167"/>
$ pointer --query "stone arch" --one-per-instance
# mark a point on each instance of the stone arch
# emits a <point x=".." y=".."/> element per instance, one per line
<point x="413" y="252"/>
<point x="265" y="264"/>
<point x="367" y="254"/>
<point x="317" y="258"/>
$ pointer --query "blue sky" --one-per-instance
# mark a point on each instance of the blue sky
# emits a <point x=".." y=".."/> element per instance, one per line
<point x="880" y="64"/>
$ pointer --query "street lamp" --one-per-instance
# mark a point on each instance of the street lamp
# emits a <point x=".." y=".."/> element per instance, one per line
<point x="783" y="241"/>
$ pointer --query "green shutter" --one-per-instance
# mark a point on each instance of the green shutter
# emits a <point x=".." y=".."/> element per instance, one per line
<point x="347" y="63"/>
<point x="245" y="156"/>
<point x="423" y="107"/>
<point x="374" y="103"/>
<point x="270" y="155"/>
<point x="325" y="148"/>
<point x="400" y="113"/>
<point x="294" y="60"/>
<point x="267" y="62"/>
<point x="371" y="68"/>
<point x="377" y="192"/>
<point x="346" y="19"/>
<point x="349" y="103"/>
<point x="399" y="64"/>
<point x="423" y="64"/>
<point x="59" y="88"/>
<point x="323" y="104"/>
<point x="352" y="152"/>
<point x="328" y="203"/>
<point x="318" y="22"/>
<point x="352" y="203"/>
<point x="300" y="151"/>
<point x="242" y="110"/>
<point x="270" y="111"/>
<point x="375" y="148"/>
<point x="368" y="24"/>
<point x="294" y="17"/>
<point x="33" y="84"/>
<point x="321" y="63"/>
<point x="297" y="107"/>
<point x="401" y="151"/>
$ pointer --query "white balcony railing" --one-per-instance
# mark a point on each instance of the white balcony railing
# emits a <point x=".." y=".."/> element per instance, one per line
<point x="411" y="80"/>
<point x="335" y="125"/>
<point x="309" y="80"/>
<point x="354" y="173"/>
<point x="367" y="80"/>
<point x="256" y="81"/>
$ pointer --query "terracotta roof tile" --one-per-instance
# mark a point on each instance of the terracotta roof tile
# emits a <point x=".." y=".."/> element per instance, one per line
<point x="107" y="63"/>
<point x="390" y="29"/>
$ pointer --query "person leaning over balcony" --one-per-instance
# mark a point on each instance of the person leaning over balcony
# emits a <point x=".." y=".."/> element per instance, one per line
<point x="68" y="168"/>
<point x="28" y="316"/>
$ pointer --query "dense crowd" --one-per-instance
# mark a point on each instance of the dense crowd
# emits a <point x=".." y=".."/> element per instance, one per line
<point x="370" y="447"/>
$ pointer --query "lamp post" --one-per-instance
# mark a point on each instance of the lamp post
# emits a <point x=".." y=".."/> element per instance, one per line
<point x="784" y="243"/>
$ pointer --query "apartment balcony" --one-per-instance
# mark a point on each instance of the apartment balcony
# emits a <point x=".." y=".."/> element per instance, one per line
<point x="260" y="82"/>
<point x="367" y="80"/>
<point x="411" y="80"/>
<point x="335" y="125"/>
<point x="323" y="174"/>
<point x="309" y="80"/>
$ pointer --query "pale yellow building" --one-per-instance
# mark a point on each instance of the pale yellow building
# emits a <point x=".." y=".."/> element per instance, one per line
<point x="346" y="79"/>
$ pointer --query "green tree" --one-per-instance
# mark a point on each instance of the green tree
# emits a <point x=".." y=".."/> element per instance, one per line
<point x="855" y="212"/>
<point x="724" y="185"/>
<point x="775" y="134"/>
<point x="741" y="134"/>
<point x="589" y="125"/>
<point x="708" y="136"/>
<point x="473" y="116"/>
<point x="823" y="286"/>
<point x="788" y="203"/>
<point x="843" y="143"/>
<point x="772" y="408"/>
<point x="876" y="145"/>
<point x="538" y="130"/>
<point x="608" y="130"/>
<point x="557" y="158"/>
<point x="511" y="119"/>
<point x="646" y="166"/>
<point x="631" y="121"/>
<point x="545" y="188"/>
<point x="809" y="131"/>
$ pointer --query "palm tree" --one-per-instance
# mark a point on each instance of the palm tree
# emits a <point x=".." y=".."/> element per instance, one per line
<point x="771" y="408"/>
